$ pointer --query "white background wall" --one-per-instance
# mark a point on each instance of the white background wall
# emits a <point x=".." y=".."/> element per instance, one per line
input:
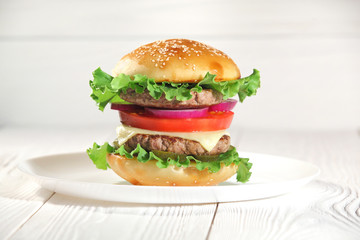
<point x="308" y="53"/>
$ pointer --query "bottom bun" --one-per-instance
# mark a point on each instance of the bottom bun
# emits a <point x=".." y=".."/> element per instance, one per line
<point x="149" y="174"/>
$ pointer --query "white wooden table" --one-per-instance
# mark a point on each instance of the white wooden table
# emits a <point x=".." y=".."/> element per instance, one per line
<point x="327" y="208"/>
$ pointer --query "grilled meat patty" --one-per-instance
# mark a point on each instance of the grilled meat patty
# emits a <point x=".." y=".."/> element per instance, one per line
<point x="205" y="98"/>
<point x="176" y="145"/>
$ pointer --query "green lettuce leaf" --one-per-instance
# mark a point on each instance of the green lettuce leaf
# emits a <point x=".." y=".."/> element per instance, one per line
<point x="106" y="88"/>
<point x="243" y="87"/>
<point x="98" y="155"/>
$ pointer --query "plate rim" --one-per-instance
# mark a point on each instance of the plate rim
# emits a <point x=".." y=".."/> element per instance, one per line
<point x="24" y="165"/>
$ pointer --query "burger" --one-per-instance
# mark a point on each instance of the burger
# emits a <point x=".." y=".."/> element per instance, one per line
<point x="174" y="99"/>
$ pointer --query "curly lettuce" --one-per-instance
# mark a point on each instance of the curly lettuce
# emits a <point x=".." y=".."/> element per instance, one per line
<point x="106" y="89"/>
<point x="98" y="155"/>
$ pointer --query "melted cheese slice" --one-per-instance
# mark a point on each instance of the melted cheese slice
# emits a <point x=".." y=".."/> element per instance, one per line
<point x="207" y="139"/>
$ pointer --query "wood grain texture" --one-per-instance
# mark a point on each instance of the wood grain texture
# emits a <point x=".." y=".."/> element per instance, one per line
<point x="64" y="217"/>
<point x="219" y="19"/>
<point x="22" y="201"/>
<point x="308" y="55"/>
<point x="306" y="52"/>
<point x="20" y="197"/>
<point x="327" y="208"/>
<point x="337" y="153"/>
<point x="297" y="91"/>
<point x="319" y="210"/>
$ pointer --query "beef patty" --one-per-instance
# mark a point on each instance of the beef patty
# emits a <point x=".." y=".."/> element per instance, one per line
<point x="176" y="145"/>
<point x="205" y="98"/>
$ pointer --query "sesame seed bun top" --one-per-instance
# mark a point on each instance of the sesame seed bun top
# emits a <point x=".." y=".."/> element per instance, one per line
<point x="178" y="60"/>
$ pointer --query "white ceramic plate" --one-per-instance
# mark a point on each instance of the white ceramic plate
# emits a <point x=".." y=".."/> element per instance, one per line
<point x="74" y="174"/>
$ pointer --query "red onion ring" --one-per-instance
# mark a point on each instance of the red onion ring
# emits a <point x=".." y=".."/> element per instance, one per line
<point x="224" y="106"/>
<point x="183" y="113"/>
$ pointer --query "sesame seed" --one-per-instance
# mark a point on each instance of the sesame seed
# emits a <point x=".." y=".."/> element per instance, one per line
<point x="162" y="51"/>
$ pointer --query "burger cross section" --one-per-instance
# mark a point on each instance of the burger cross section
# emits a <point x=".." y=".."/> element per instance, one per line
<point x="174" y="102"/>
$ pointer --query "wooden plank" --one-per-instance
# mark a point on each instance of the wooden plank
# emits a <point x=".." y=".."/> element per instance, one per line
<point x="327" y="208"/>
<point x="65" y="217"/>
<point x="300" y="82"/>
<point x="20" y="196"/>
<point x="24" y="207"/>
<point x="323" y="208"/>
<point x="320" y="210"/>
<point x="337" y="153"/>
<point x="62" y="19"/>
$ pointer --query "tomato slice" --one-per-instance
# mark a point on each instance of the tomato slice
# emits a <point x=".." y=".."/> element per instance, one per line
<point x="212" y="122"/>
